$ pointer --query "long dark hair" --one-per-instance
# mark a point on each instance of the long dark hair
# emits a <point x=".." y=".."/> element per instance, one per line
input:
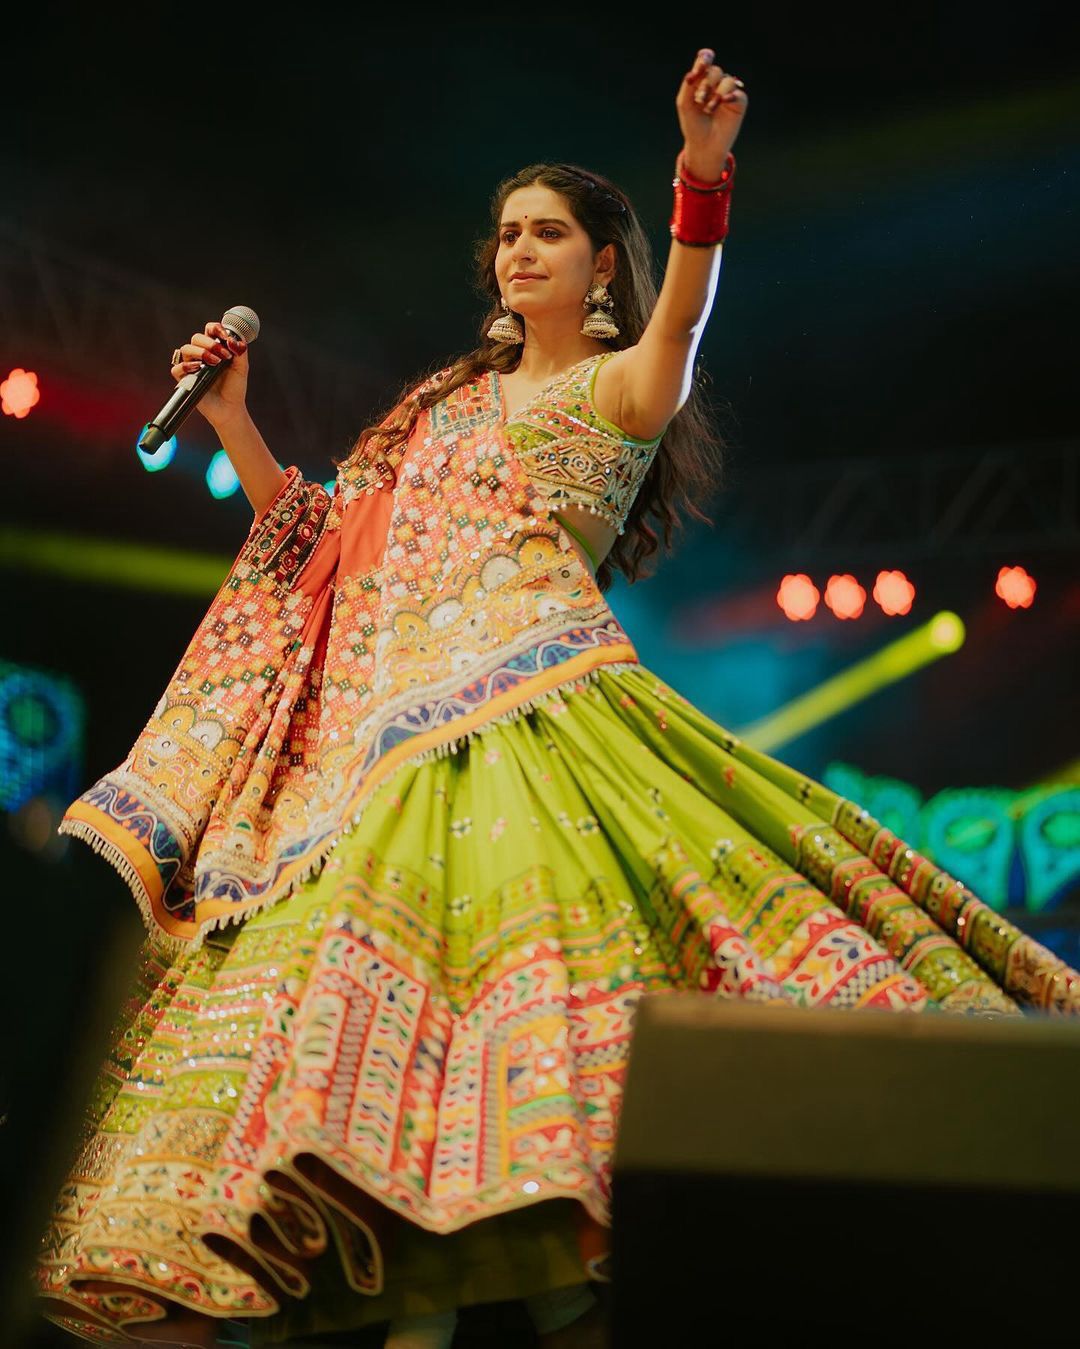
<point x="689" y="463"/>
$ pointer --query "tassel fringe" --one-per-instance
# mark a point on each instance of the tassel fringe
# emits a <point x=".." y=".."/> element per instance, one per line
<point x="87" y="834"/>
<point x="452" y="746"/>
<point x="178" y="946"/>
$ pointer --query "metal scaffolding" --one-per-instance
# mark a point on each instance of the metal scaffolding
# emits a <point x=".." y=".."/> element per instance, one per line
<point x="59" y="305"/>
<point x="963" y="503"/>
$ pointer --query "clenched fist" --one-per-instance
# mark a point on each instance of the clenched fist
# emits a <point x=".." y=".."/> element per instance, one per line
<point x="711" y="104"/>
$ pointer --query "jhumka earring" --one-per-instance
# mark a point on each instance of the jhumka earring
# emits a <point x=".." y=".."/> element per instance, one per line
<point x="506" y="328"/>
<point x="600" y="323"/>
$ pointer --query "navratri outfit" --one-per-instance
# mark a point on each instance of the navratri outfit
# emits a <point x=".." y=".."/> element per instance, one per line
<point x="412" y="829"/>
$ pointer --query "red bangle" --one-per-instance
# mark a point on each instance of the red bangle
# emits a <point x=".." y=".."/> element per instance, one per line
<point x="700" y="214"/>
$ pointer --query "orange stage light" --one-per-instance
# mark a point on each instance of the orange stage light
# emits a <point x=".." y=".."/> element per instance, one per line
<point x="798" y="597"/>
<point x="893" y="592"/>
<point x="1016" y="587"/>
<point x="845" y="596"/>
<point x="19" y="392"/>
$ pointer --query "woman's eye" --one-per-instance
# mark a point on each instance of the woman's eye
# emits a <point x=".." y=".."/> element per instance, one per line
<point x="508" y="237"/>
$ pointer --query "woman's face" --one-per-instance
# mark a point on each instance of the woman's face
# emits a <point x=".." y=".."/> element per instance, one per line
<point x="539" y="237"/>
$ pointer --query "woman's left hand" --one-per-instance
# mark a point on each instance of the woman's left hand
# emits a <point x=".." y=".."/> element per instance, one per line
<point x="711" y="104"/>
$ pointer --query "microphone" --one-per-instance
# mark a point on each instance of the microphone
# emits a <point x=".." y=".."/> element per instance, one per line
<point x="240" y="321"/>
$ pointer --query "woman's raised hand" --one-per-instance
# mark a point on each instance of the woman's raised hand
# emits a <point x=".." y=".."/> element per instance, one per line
<point x="710" y="104"/>
<point x="226" y="397"/>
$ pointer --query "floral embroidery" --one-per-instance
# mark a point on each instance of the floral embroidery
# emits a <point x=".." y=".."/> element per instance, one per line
<point x="721" y="848"/>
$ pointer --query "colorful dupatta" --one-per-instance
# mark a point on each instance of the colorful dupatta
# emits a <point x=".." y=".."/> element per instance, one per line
<point x="353" y="633"/>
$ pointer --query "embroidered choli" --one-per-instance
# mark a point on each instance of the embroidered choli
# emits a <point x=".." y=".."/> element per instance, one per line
<point x="573" y="455"/>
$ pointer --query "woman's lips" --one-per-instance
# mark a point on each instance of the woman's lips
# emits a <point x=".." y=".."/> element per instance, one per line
<point x="520" y="279"/>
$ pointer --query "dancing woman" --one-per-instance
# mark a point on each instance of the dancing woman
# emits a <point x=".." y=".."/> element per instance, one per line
<point x="412" y="830"/>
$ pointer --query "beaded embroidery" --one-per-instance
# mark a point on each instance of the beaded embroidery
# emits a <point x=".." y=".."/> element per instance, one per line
<point x="571" y="454"/>
<point x="359" y="632"/>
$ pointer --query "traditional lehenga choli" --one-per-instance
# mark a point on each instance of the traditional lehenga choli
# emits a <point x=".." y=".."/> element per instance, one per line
<point x="412" y="829"/>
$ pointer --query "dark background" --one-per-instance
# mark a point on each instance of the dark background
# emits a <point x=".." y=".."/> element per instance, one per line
<point x="899" y="285"/>
<point x="900" y="282"/>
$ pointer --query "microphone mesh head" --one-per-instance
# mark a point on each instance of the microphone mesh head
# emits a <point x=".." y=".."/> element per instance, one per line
<point x="242" y="321"/>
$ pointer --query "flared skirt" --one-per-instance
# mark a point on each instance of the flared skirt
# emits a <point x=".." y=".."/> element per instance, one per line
<point x="430" y="1036"/>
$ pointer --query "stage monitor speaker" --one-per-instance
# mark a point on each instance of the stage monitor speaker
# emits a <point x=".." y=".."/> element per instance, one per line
<point x="848" y="1177"/>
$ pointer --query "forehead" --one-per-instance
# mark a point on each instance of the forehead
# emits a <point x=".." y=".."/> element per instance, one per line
<point x="535" y="200"/>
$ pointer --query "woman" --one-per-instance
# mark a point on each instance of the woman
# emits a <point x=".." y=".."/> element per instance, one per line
<point x="412" y="829"/>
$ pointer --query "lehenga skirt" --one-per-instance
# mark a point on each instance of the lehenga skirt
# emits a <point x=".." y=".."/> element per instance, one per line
<point x="397" y="1089"/>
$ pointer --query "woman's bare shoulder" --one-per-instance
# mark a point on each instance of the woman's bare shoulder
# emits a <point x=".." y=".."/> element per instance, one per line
<point x="611" y="395"/>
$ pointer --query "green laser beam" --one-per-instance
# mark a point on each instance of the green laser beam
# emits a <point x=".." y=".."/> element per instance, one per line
<point x="943" y="634"/>
<point x="1065" y="776"/>
<point x="136" y="566"/>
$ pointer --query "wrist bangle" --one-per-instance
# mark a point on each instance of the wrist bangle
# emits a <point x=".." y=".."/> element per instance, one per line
<point x="700" y="213"/>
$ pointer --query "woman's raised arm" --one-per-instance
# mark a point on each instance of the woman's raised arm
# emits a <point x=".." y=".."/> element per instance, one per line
<point x="649" y="382"/>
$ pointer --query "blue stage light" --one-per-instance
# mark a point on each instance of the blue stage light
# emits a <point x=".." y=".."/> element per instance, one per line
<point x="41" y="735"/>
<point x="161" y="458"/>
<point x="221" y="476"/>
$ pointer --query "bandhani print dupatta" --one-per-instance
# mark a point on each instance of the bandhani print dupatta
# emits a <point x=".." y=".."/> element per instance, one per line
<point x="353" y="633"/>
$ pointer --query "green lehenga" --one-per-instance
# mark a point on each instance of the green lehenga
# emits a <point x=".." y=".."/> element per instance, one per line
<point x="389" y="1071"/>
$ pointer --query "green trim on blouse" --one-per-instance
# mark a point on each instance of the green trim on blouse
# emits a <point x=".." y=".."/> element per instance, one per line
<point x="584" y="542"/>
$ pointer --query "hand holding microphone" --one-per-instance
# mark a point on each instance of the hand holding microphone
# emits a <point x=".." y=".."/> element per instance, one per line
<point x="211" y="373"/>
<point x="215" y="345"/>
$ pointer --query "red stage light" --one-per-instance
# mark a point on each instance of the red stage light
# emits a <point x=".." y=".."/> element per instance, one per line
<point x="798" y="597"/>
<point x="1016" y="587"/>
<point x="894" y="592"/>
<point x="845" y="596"/>
<point x="19" y="392"/>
